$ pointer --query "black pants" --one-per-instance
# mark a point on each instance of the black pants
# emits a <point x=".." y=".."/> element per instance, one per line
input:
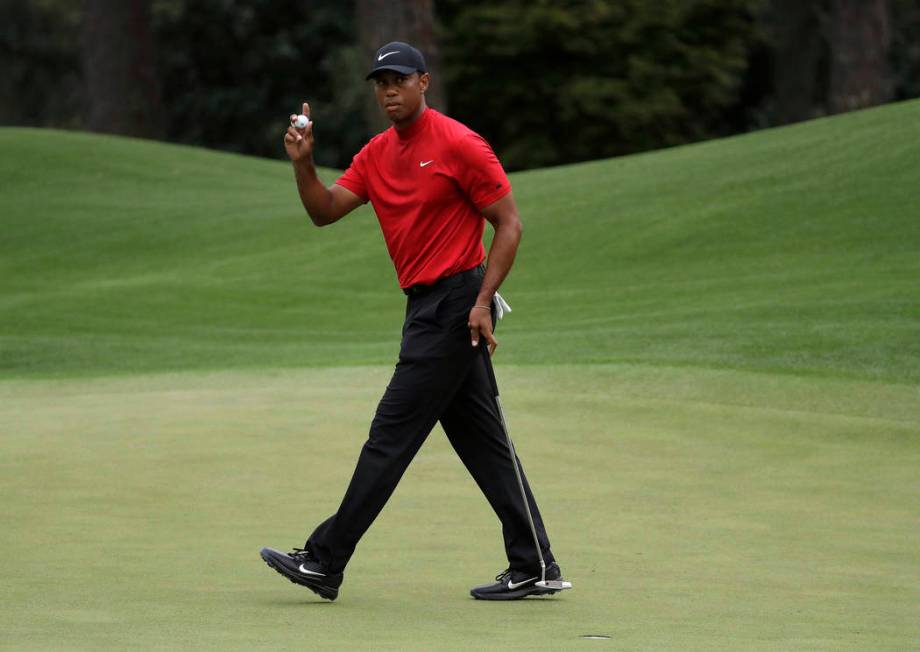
<point x="439" y="377"/>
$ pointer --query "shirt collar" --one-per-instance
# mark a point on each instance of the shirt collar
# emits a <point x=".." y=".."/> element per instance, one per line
<point x="415" y="128"/>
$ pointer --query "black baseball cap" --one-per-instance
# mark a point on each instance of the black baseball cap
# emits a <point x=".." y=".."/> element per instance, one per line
<point x="398" y="56"/>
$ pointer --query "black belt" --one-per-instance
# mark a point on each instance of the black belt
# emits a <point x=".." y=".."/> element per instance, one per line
<point x="420" y="290"/>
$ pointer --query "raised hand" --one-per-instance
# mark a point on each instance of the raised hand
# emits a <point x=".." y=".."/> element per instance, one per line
<point x="298" y="143"/>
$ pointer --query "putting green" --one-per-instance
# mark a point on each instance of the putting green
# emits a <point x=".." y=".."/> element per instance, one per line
<point x="692" y="509"/>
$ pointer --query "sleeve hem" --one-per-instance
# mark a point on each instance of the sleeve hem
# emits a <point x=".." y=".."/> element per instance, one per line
<point x="351" y="188"/>
<point x="493" y="197"/>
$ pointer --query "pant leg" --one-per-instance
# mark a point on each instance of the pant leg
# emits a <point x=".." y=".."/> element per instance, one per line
<point x="431" y="367"/>
<point x="473" y="426"/>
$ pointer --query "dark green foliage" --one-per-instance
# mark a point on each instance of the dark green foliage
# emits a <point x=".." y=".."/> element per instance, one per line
<point x="234" y="70"/>
<point x="40" y="74"/>
<point x="905" y="48"/>
<point x="549" y="82"/>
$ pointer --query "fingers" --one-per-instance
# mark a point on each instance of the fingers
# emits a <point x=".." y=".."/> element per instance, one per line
<point x="476" y="334"/>
<point x="482" y="331"/>
<point x="473" y="325"/>
<point x="493" y="343"/>
<point x="303" y="131"/>
<point x="293" y="134"/>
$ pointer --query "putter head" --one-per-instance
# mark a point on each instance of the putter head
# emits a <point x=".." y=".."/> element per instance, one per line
<point x="554" y="585"/>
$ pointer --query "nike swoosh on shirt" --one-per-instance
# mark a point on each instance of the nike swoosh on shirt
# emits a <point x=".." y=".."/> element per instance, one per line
<point x="422" y="164"/>
<point x="513" y="585"/>
<point x="306" y="571"/>
<point x="385" y="55"/>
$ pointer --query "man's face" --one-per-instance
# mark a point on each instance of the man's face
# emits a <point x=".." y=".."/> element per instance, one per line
<point x="400" y="95"/>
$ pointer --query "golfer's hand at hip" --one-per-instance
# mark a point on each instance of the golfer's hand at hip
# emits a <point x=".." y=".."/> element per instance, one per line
<point x="480" y="323"/>
<point x="298" y="143"/>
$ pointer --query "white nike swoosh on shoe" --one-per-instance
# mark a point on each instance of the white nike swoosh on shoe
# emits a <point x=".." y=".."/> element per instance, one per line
<point x="309" y="572"/>
<point x="512" y="585"/>
<point x="385" y="55"/>
<point x="422" y="164"/>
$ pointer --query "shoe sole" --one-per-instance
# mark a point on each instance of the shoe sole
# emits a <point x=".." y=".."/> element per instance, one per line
<point x="321" y="590"/>
<point x="514" y="595"/>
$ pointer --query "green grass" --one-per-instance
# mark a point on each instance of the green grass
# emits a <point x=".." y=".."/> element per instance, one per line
<point x="794" y="250"/>
<point x="712" y="373"/>
<point x="692" y="510"/>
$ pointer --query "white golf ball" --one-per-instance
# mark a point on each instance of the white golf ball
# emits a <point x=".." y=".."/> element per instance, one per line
<point x="301" y="121"/>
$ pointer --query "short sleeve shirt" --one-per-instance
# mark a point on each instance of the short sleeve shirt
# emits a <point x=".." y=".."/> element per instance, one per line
<point x="429" y="184"/>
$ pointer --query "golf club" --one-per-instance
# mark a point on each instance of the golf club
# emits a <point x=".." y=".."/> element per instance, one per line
<point x="552" y="585"/>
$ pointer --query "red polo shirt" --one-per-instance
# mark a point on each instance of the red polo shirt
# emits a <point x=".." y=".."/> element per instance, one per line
<point x="428" y="184"/>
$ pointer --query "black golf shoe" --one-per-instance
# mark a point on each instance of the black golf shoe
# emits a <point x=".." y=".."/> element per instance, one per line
<point x="514" y="585"/>
<point x="300" y="567"/>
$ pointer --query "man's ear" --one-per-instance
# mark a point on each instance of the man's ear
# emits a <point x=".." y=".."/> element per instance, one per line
<point x="423" y="80"/>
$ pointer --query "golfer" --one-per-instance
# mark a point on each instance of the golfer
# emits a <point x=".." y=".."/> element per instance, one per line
<point x="430" y="180"/>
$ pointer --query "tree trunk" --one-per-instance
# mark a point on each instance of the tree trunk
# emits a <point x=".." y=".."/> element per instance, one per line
<point x="411" y="21"/>
<point x="798" y="55"/>
<point x="119" y="64"/>
<point x="859" y="37"/>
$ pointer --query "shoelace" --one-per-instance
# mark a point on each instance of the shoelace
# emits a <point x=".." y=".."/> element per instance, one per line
<point x="302" y="554"/>
<point x="501" y="577"/>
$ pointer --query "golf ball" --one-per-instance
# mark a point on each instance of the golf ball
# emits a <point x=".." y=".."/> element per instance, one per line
<point x="301" y="121"/>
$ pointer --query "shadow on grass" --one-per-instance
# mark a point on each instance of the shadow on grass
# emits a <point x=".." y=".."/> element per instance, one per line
<point x="293" y="602"/>
<point x="527" y="600"/>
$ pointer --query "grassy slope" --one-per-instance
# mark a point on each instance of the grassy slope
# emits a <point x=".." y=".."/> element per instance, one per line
<point x="794" y="250"/>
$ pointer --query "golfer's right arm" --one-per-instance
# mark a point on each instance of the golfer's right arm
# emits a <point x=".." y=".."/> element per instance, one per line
<point x="324" y="205"/>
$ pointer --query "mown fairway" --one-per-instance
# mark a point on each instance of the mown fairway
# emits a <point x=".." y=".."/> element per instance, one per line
<point x="712" y="373"/>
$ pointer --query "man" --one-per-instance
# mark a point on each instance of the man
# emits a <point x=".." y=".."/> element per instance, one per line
<point x="430" y="180"/>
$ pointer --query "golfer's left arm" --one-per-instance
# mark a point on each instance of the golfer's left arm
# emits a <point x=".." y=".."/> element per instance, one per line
<point x="504" y="217"/>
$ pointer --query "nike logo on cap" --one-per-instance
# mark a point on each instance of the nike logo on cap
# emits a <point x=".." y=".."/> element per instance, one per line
<point x="381" y="57"/>
<point x="309" y="572"/>
<point x="513" y="585"/>
<point x="422" y="164"/>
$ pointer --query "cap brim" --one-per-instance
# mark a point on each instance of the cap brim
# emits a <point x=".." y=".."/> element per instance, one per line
<point x="405" y="70"/>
